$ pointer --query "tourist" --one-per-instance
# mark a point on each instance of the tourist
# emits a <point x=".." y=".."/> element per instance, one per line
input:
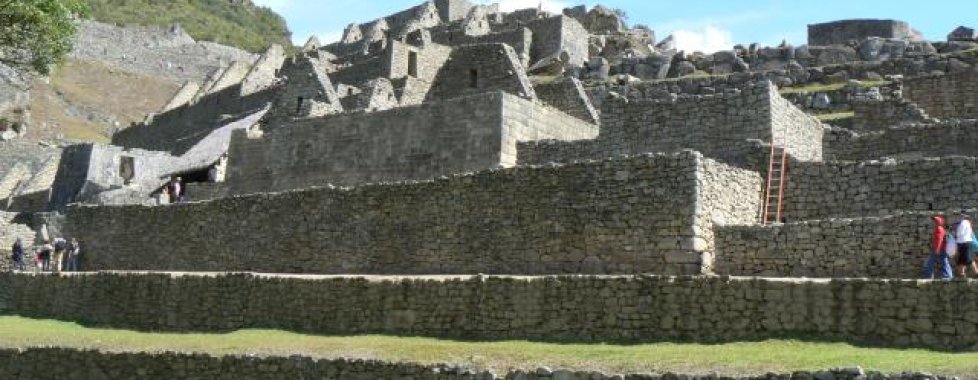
<point x="17" y="255"/>
<point x="163" y="197"/>
<point x="176" y="189"/>
<point x="60" y="246"/>
<point x="44" y="257"/>
<point x="965" y="237"/>
<point x="73" y="251"/>
<point x="938" y="252"/>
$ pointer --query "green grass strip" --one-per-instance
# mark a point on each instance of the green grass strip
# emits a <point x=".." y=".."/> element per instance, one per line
<point x="729" y="358"/>
<point x="821" y="87"/>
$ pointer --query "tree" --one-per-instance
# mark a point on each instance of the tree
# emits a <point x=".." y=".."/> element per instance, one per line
<point x="38" y="33"/>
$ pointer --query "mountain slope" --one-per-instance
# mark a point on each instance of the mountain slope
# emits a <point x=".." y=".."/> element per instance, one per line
<point x="237" y="23"/>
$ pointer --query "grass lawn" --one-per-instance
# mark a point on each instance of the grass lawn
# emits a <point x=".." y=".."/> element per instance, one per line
<point x="820" y="87"/>
<point x="731" y="358"/>
<point x="835" y="116"/>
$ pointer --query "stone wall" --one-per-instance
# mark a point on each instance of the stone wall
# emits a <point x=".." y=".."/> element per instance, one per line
<point x="430" y="58"/>
<point x="453" y="10"/>
<point x="10" y="231"/>
<point x="799" y="132"/>
<point x="409" y="143"/>
<point x="642" y="214"/>
<point x="60" y="363"/>
<point x="893" y="246"/>
<point x="473" y="69"/>
<point x="567" y="95"/>
<point x="945" y="96"/>
<point x="520" y="39"/>
<point x="553" y="35"/>
<point x="581" y="308"/>
<point x="844" y="31"/>
<point x="947" y="138"/>
<point x="879" y="115"/>
<point x="263" y="73"/>
<point x="839" y="189"/>
<point x="729" y="127"/>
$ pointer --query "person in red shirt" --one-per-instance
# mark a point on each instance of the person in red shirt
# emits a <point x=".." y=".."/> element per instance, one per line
<point x="938" y="252"/>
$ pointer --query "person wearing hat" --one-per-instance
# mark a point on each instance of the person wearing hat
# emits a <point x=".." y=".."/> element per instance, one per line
<point x="964" y="236"/>
<point x="938" y="251"/>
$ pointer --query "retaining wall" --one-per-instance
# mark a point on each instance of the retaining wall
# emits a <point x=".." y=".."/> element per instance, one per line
<point x="893" y="246"/>
<point x="947" y="138"/>
<point x="945" y="96"/>
<point x="941" y="315"/>
<point x="642" y="214"/>
<point x="873" y="188"/>
<point x="60" y="363"/>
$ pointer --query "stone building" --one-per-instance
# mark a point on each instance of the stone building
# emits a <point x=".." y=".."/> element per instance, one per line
<point x="452" y="139"/>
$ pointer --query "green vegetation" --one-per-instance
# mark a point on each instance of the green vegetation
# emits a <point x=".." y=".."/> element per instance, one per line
<point x="820" y="87"/>
<point x="43" y="29"/>
<point x="234" y="23"/>
<point x="730" y="358"/>
<point x="827" y="117"/>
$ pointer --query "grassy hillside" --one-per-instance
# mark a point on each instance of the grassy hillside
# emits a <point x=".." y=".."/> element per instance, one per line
<point x="236" y="22"/>
<point x="81" y="100"/>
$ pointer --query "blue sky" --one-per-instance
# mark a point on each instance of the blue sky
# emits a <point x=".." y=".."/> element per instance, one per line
<point x="706" y="25"/>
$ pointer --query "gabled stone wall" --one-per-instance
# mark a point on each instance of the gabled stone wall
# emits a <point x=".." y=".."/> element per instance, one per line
<point x="473" y="69"/>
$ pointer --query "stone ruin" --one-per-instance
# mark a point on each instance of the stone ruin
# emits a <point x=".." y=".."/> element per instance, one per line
<point x="452" y="139"/>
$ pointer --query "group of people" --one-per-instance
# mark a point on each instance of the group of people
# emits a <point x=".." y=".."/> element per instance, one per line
<point x="173" y="192"/>
<point x="956" y="245"/>
<point x="60" y="255"/>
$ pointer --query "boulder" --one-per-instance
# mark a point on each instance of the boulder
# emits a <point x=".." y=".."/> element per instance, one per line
<point x="821" y="101"/>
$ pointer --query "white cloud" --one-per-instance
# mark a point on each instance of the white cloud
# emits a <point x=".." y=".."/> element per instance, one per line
<point x="275" y="5"/>
<point x="707" y="39"/>
<point x="553" y="6"/>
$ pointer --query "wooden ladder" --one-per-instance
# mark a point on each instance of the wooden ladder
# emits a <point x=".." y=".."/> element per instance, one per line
<point x="774" y="192"/>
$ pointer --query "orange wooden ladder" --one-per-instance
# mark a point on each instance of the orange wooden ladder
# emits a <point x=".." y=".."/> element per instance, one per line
<point x="776" y="179"/>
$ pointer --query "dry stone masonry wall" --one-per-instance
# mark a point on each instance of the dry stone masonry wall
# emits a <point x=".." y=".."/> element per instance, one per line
<point x="730" y="127"/>
<point x="947" y="138"/>
<point x="893" y="246"/>
<point x="641" y="214"/>
<point x="58" y="363"/>
<point x="939" y="315"/>
<point x="873" y="188"/>
<point x="945" y="96"/>
<point x="461" y="135"/>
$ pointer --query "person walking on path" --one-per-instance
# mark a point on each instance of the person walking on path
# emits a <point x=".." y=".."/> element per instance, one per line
<point x="60" y="246"/>
<point x="45" y="256"/>
<point x="938" y="252"/>
<point x="73" y="251"/>
<point x="965" y="236"/>
<point x="17" y="255"/>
